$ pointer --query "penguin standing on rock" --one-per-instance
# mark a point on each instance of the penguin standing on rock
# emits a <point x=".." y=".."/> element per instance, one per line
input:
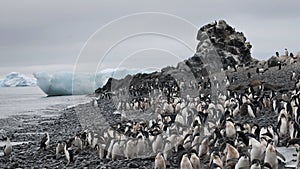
<point x="59" y="148"/>
<point x="255" y="164"/>
<point x="286" y="52"/>
<point x="243" y="162"/>
<point x="159" y="162"/>
<point x="249" y="75"/>
<point x="45" y="141"/>
<point x="293" y="76"/>
<point x="68" y="153"/>
<point x="185" y="162"/>
<point x="195" y="161"/>
<point x="271" y="156"/>
<point x="7" y="147"/>
<point x="282" y="127"/>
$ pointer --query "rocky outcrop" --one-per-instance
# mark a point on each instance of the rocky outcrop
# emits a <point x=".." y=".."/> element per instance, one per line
<point x="218" y="41"/>
<point x="273" y="61"/>
<point x="220" y="47"/>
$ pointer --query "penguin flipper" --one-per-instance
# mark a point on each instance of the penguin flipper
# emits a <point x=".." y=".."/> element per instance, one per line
<point x="280" y="157"/>
<point x="4" y="149"/>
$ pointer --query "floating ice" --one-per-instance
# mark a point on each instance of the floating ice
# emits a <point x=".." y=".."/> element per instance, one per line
<point x="69" y="83"/>
<point x="15" y="79"/>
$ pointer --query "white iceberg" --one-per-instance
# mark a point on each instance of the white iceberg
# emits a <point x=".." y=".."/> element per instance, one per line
<point x="69" y="83"/>
<point x="15" y="79"/>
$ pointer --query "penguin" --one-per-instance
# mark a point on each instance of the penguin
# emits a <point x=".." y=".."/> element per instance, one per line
<point x="95" y="103"/>
<point x="180" y="152"/>
<point x="255" y="164"/>
<point x="282" y="126"/>
<point x="204" y="147"/>
<point x="249" y="75"/>
<point x="59" y="148"/>
<point x="293" y="76"/>
<point x="230" y="130"/>
<point x="185" y="162"/>
<point x="95" y="140"/>
<point x="195" y="161"/>
<point x="101" y="152"/>
<point x="141" y="145"/>
<point x="157" y="144"/>
<point x="116" y="151"/>
<point x="68" y="154"/>
<point x="159" y="162"/>
<point x="232" y="155"/>
<point x="261" y="70"/>
<point x="294" y="129"/>
<point x="78" y="142"/>
<point x="130" y="150"/>
<point x="251" y="111"/>
<point x="89" y="139"/>
<point x="45" y="141"/>
<point x="8" y="147"/>
<point x="167" y="151"/>
<point x="215" y="160"/>
<point x="257" y="150"/>
<point x="286" y="52"/>
<point x="279" y="65"/>
<point x="271" y="156"/>
<point x="244" y="162"/>
<point x="295" y="142"/>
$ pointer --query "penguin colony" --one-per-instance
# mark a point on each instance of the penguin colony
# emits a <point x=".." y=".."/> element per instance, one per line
<point x="207" y="132"/>
<point x="211" y="130"/>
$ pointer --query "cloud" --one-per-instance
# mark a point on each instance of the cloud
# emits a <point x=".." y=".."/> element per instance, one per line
<point x="52" y="32"/>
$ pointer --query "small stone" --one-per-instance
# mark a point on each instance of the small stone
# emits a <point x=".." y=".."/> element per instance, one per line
<point x="133" y="165"/>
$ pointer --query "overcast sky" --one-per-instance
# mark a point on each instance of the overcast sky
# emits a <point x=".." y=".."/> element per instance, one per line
<point x="49" y="35"/>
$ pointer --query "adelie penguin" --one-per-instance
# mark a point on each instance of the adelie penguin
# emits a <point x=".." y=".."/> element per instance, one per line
<point x="68" y="154"/>
<point x="271" y="157"/>
<point x="8" y="147"/>
<point x="249" y="75"/>
<point x="185" y="162"/>
<point x="286" y="52"/>
<point x="255" y="164"/>
<point x="159" y="162"/>
<point x="45" y="141"/>
<point x="59" y="148"/>
<point x="195" y="161"/>
<point x="244" y="162"/>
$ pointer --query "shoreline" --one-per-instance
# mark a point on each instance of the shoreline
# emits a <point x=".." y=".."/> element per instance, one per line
<point x="61" y="127"/>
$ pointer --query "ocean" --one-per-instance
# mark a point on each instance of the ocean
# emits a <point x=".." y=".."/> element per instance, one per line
<point x="32" y="100"/>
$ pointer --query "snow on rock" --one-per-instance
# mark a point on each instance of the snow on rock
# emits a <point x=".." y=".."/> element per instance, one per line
<point x="15" y="79"/>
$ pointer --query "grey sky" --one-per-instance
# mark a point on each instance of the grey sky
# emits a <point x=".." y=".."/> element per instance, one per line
<point x="48" y="35"/>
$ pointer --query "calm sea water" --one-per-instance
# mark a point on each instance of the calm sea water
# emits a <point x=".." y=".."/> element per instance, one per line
<point x="31" y="100"/>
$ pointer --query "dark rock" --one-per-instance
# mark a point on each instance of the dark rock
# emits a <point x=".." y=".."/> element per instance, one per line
<point x="273" y="61"/>
<point x="133" y="165"/>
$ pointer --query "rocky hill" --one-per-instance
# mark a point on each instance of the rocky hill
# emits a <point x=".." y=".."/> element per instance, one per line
<point x="220" y="48"/>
